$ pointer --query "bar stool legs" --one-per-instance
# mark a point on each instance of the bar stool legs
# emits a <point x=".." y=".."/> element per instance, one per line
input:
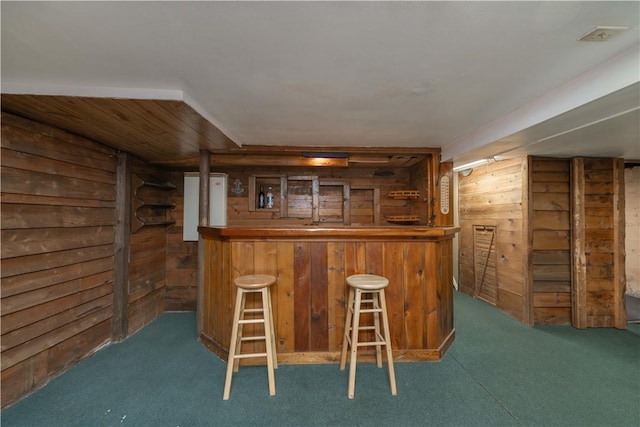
<point x="258" y="283"/>
<point x="373" y="286"/>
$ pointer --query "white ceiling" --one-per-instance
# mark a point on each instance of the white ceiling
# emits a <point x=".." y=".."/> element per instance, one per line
<point x="479" y="79"/>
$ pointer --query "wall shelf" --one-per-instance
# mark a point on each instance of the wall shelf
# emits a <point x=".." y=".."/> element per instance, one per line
<point x="151" y="204"/>
<point x="403" y="219"/>
<point x="404" y="194"/>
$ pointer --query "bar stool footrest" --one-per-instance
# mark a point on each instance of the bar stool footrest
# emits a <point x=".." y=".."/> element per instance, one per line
<point x="248" y="355"/>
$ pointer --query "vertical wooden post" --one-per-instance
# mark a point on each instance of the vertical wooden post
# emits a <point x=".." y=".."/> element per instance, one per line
<point x="315" y="200"/>
<point x="203" y="219"/>
<point x="120" y="319"/>
<point x="527" y="239"/>
<point x="619" y="224"/>
<point x="579" y="279"/>
<point x="433" y="170"/>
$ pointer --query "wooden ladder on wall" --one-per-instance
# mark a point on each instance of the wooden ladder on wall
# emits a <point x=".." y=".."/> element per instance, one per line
<point x="484" y="253"/>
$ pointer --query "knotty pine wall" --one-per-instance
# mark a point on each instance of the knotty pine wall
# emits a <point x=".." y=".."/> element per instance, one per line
<point x="58" y="265"/>
<point x="559" y="238"/>
<point x="495" y="195"/>
<point x="632" y="233"/>
<point x="598" y="242"/>
<point x="361" y="181"/>
<point x="550" y="213"/>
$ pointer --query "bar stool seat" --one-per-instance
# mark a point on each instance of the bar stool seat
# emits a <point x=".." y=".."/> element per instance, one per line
<point x="371" y="287"/>
<point x="255" y="283"/>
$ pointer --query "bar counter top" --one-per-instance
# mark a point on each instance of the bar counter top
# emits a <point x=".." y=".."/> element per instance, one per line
<point x="329" y="231"/>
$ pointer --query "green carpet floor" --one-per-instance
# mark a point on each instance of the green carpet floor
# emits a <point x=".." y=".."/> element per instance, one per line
<point x="498" y="372"/>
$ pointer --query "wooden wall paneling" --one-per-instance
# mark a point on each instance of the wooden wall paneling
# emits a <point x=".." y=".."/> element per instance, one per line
<point x="37" y="297"/>
<point x="22" y="274"/>
<point x="302" y="197"/>
<point x="24" y="136"/>
<point x="27" y="216"/>
<point x="465" y="258"/>
<point x="26" y="242"/>
<point x="57" y="220"/>
<point x="364" y="199"/>
<point x="182" y="258"/>
<point x="443" y="295"/>
<point x="284" y="190"/>
<point x="319" y="320"/>
<point x="432" y="164"/>
<point x="210" y="323"/>
<point x="632" y="231"/>
<point x="92" y="299"/>
<point x="579" y="291"/>
<point x="346" y="205"/>
<point x="37" y="163"/>
<point x="244" y="252"/>
<point x="495" y="195"/>
<point x="433" y="279"/>
<point x="119" y="323"/>
<point x="143" y="311"/>
<point x="373" y="265"/>
<point x="220" y="297"/>
<point x="420" y="179"/>
<point x="147" y="277"/>
<point x="285" y="306"/>
<point x="550" y="269"/>
<point x="595" y="177"/>
<point x="18" y="380"/>
<point x="336" y="294"/>
<point x="414" y="298"/>
<point x="224" y="298"/>
<point x="603" y="246"/>
<point x="362" y="206"/>
<point x="334" y="202"/>
<point x="377" y="217"/>
<point x="302" y="295"/>
<point x="393" y="270"/>
<point x="50" y="339"/>
<point x="315" y="200"/>
<point x="619" y="254"/>
<point x="265" y="262"/>
<point x="18" y="314"/>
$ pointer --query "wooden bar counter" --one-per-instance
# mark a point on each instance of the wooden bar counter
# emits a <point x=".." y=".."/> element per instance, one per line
<point x="309" y="296"/>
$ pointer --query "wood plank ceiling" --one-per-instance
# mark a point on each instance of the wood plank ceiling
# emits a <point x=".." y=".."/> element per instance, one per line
<point x="155" y="130"/>
<point x="171" y="133"/>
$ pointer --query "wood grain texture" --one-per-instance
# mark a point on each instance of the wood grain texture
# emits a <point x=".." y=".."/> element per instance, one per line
<point x="57" y="219"/>
<point x="310" y="293"/>
<point x="598" y="189"/>
<point x="154" y="130"/>
<point x="551" y="238"/>
<point x="495" y="196"/>
<point x="60" y="253"/>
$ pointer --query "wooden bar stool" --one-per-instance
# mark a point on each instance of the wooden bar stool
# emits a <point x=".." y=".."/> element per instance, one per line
<point x="371" y="287"/>
<point x="255" y="283"/>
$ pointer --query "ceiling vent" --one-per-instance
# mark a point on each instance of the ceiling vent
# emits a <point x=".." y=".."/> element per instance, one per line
<point x="601" y="34"/>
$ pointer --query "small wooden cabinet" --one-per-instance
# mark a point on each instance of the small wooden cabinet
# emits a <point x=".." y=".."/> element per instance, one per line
<point x="332" y="200"/>
<point x="278" y="184"/>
